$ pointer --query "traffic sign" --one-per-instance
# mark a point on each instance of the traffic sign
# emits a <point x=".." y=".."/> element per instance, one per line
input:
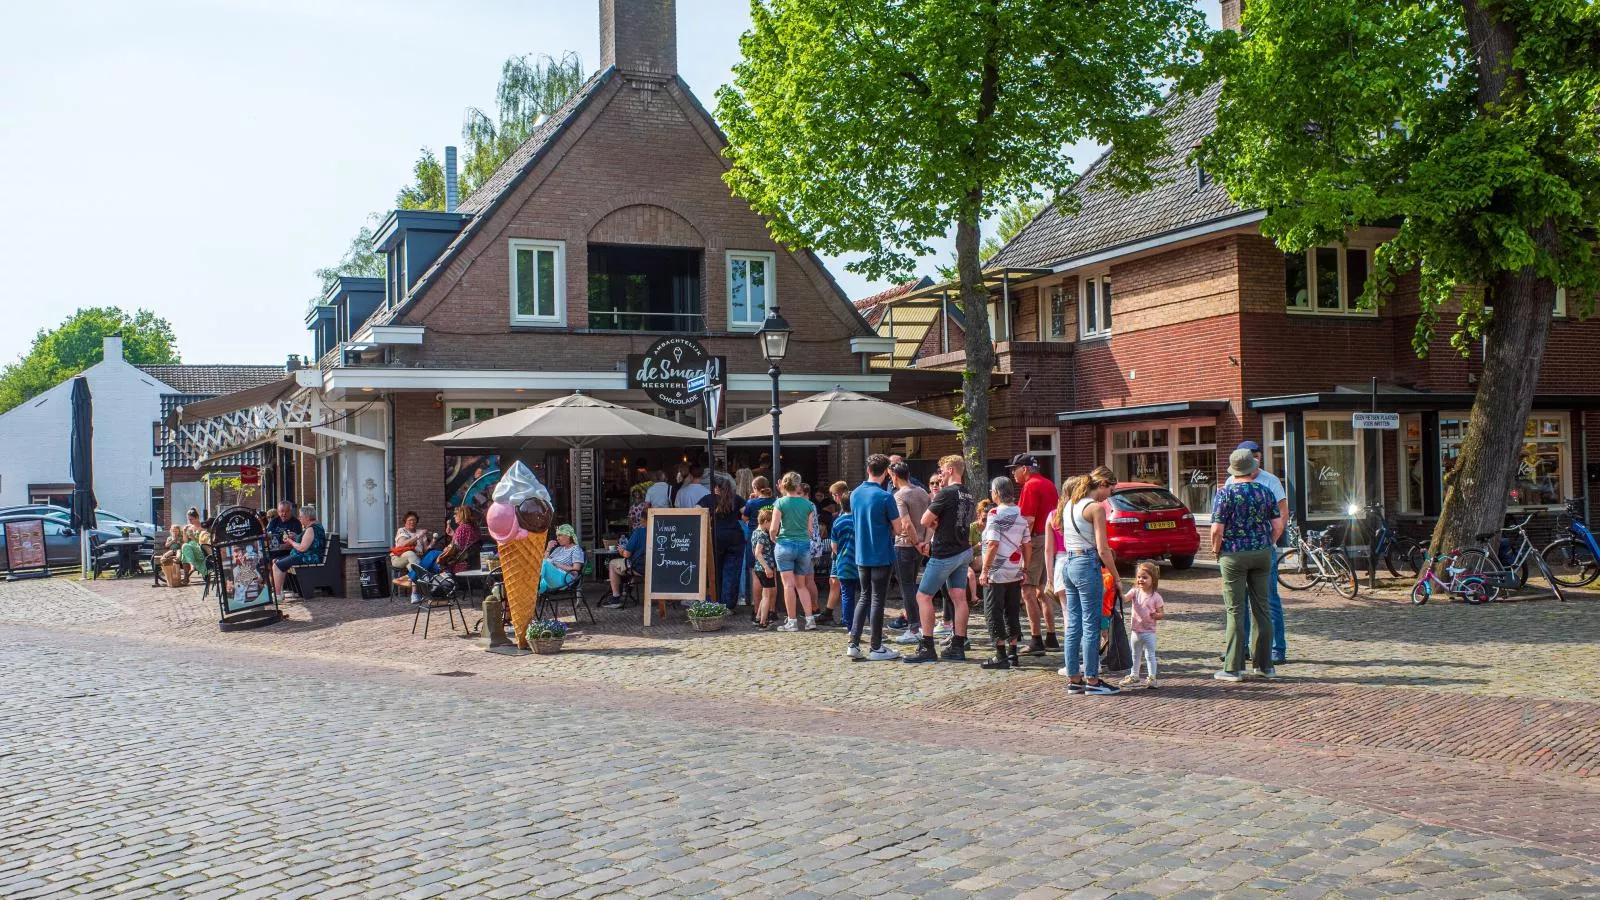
<point x="1383" y="421"/>
<point x="694" y="384"/>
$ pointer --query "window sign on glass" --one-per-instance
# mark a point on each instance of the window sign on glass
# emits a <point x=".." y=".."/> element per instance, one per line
<point x="536" y="282"/>
<point x="749" y="288"/>
<point x="1327" y="280"/>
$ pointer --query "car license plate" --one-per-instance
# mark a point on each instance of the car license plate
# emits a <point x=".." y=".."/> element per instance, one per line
<point x="1152" y="526"/>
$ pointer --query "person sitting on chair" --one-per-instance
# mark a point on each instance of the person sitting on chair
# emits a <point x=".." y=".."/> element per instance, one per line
<point x="563" y="561"/>
<point x="306" y="550"/>
<point x="631" y="559"/>
<point x="410" y="542"/>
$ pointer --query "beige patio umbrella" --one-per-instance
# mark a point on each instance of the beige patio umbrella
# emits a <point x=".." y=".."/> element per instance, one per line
<point x="575" y="421"/>
<point x="842" y="414"/>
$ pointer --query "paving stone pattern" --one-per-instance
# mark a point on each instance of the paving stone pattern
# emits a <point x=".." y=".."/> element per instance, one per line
<point x="131" y="771"/>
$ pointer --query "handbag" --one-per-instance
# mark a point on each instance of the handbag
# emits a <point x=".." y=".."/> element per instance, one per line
<point x="1115" y="654"/>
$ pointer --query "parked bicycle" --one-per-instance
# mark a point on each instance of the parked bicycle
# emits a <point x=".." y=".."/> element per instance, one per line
<point x="1401" y="555"/>
<point x="1574" y="558"/>
<point x="1504" y="565"/>
<point x="1457" y="583"/>
<point x="1316" y="557"/>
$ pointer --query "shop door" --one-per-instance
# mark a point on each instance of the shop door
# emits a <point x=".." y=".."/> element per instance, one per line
<point x="368" y="513"/>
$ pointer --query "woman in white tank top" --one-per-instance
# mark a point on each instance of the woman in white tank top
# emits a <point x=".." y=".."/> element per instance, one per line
<point x="1077" y="542"/>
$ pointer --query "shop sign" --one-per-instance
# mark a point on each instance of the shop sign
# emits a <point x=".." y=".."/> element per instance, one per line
<point x="249" y="475"/>
<point x="663" y="372"/>
<point x="236" y="525"/>
<point x="1383" y="421"/>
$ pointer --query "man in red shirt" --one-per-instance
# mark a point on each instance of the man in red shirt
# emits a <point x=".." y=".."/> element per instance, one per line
<point x="1037" y="501"/>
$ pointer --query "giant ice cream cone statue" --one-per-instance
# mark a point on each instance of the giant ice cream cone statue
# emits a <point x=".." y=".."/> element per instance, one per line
<point x="518" y="520"/>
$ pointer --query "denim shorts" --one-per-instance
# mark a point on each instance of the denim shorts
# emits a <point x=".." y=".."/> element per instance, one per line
<point x="794" y="556"/>
<point x="950" y="572"/>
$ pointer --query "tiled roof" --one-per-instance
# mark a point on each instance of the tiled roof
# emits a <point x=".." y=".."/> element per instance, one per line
<point x="902" y="288"/>
<point x="198" y="381"/>
<point x="1107" y="218"/>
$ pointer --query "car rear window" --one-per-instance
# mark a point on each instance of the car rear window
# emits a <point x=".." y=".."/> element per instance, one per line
<point x="1145" y="500"/>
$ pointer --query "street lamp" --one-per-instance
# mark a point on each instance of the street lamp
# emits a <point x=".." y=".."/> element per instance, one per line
<point x="774" y="335"/>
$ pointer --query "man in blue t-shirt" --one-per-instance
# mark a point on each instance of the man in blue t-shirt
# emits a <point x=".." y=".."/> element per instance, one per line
<point x="631" y="559"/>
<point x="876" y="518"/>
<point x="1280" y="649"/>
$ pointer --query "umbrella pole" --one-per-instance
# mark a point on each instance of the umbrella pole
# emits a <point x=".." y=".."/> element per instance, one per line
<point x="84" y="562"/>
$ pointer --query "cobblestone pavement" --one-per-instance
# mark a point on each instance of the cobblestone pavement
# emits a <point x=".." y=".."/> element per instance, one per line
<point x="135" y="769"/>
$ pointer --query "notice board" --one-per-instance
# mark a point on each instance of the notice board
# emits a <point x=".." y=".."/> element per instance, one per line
<point x="25" y="550"/>
<point x="677" y="545"/>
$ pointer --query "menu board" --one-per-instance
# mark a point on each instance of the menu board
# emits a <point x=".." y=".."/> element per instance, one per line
<point x="677" y="546"/>
<point x="25" y="545"/>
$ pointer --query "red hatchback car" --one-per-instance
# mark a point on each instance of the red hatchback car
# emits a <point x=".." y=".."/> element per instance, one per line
<point x="1147" y="521"/>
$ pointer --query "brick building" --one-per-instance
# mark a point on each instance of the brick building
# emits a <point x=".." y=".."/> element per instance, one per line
<point x="1153" y="332"/>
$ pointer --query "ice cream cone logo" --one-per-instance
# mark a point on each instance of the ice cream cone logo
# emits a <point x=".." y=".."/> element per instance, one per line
<point x="677" y="354"/>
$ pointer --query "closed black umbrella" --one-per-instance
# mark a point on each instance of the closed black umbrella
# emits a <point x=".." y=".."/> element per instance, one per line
<point x="83" y="503"/>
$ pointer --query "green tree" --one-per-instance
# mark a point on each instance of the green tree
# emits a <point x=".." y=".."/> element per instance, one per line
<point x="77" y="343"/>
<point x="1474" y="125"/>
<point x="531" y="88"/>
<point x="874" y="127"/>
<point x="426" y="191"/>
<point x="1013" y="218"/>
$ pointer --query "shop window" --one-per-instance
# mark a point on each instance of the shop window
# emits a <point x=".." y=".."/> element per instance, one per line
<point x="1094" y="308"/>
<point x="644" y="289"/>
<point x="1196" y="468"/>
<point x="1411" y="472"/>
<point x="1053" y="314"/>
<point x="1543" y="473"/>
<point x="1044" y="444"/>
<point x="461" y="416"/>
<point x="538" y="283"/>
<point x="1181" y="457"/>
<point x="750" y="289"/>
<point x="1333" y="465"/>
<point x="1327" y="280"/>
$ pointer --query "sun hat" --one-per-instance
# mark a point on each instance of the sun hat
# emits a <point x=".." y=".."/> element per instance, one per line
<point x="1242" y="462"/>
<point x="568" y="531"/>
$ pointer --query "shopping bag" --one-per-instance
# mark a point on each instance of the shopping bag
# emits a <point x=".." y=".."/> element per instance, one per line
<point x="1115" y="654"/>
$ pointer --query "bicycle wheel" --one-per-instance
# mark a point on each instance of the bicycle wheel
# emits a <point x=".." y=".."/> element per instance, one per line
<point x="1341" y="574"/>
<point x="1473" y="591"/>
<point x="1421" y="591"/>
<point x="1475" y="561"/>
<point x="1571" y="562"/>
<point x="1408" y="554"/>
<point x="1544" y="570"/>
<point x="1295" y="572"/>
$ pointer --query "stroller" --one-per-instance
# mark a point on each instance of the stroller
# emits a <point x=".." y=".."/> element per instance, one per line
<point x="439" y="590"/>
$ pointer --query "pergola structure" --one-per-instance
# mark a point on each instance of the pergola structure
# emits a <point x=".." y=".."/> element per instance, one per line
<point x="215" y="429"/>
<point x="907" y="317"/>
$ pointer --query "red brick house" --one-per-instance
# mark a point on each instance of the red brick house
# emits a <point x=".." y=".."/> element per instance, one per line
<point x="1153" y="332"/>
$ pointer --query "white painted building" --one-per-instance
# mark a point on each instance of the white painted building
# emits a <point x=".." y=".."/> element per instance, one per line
<point x="35" y="437"/>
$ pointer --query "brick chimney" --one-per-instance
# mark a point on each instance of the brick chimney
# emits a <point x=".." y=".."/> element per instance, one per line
<point x="111" y="346"/>
<point x="1231" y="11"/>
<point x="639" y="36"/>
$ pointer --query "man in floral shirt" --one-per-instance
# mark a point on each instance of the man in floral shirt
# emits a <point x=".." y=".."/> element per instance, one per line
<point x="1245" y="525"/>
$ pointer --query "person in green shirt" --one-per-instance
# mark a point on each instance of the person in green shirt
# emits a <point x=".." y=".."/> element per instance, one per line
<point x="792" y="520"/>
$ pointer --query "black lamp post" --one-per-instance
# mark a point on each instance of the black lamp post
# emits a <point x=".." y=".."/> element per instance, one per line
<point x="774" y="335"/>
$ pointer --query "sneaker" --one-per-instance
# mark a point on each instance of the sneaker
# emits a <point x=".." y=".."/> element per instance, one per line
<point x="811" y="623"/>
<point x="854" y="652"/>
<point x="1036" y="647"/>
<point x="943" y="629"/>
<point x="1279" y="660"/>
<point x="418" y="600"/>
<point x="1074" y="687"/>
<point x="1128" y="680"/>
<point x="1063" y="672"/>
<point x="995" y="662"/>
<point x="1150" y="684"/>
<point x="957" y="654"/>
<point x="924" y="654"/>
<point x="897" y="622"/>
<point x="822" y="619"/>
<point x="882" y="654"/>
<point x="1268" y="673"/>
<point x="1101" y="687"/>
<point x="789" y="625"/>
<point x="1050" y="642"/>
<point x="909" y="636"/>
<point x="1228" y="676"/>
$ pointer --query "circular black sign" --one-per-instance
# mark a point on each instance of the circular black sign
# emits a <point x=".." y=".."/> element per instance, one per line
<point x="665" y="369"/>
<point x="234" y="525"/>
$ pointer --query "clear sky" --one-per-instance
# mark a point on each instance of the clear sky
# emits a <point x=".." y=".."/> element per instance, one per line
<point x="201" y="158"/>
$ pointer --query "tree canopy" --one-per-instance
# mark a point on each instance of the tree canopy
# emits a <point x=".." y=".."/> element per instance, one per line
<point x="77" y="343"/>
<point x="1472" y="126"/>
<point x="873" y="127"/>
<point x="1013" y="218"/>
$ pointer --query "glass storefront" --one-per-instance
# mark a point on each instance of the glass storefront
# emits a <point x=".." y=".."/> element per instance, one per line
<point x="1180" y="457"/>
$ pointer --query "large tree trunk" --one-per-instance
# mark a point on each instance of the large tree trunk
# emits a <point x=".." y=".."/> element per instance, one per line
<point x="1491" y="452"/>
<point x="980" y="353"/>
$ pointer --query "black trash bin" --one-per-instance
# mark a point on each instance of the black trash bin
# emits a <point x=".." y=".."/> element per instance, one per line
<point x="374" y="577"/>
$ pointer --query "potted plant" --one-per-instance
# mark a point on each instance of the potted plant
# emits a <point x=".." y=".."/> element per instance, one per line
<point x="546" y="635"/>
<point x="707" y="616"/>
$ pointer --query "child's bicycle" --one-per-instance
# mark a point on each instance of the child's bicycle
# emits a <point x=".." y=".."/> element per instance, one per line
<point x="1459" y="583"/>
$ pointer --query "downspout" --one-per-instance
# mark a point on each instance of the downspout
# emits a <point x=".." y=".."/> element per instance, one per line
<point x="1583" y="454"/>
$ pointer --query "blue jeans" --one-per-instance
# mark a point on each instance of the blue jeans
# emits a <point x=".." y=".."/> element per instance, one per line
<point x="730" y="564"/>
<point x="847" y="599"/>
<point x="1280" y="648"/>
<point x="1085" y="594"/>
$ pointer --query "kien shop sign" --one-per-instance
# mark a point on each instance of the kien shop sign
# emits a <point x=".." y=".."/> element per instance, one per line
<point x="663" y="371"/>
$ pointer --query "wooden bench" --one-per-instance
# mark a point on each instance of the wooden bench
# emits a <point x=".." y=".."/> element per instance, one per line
<point x="327" y="575"/>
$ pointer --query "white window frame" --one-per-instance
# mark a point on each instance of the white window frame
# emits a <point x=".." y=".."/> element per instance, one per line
<point x="1357" y="439"/>
<point x="560" y="250"/>
<point x="1407" y="505"/>
<point x="1566" y="455"/>
<point x="1172" y="448"/>
<point x="1054" y="434"/>
<point x="1101" y="280"/>
<point x="770" y="260"/>
<point x="1274" y="451"/>
<point x="1347" y="304"/>
<point x="471" y="407"/>
<point x="1047" y="297"/>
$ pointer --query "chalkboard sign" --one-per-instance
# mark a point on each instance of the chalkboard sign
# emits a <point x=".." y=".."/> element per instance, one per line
<point x="678" y="552"/>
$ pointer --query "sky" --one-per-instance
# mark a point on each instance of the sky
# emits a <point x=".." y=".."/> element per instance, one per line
<point x="201" y="158"/>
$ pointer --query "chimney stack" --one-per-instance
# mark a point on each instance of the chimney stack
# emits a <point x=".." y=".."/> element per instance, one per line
<point x="293" y="363"/>
<point x="639" y="36"/>
<point x="1231" y="11"/>
<point x="450" y="189"/>
<point x="111" y="347"/>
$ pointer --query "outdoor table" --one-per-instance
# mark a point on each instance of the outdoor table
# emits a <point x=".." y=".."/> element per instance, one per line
<point x="127" y="555"/>
<point x="468" y="576"/>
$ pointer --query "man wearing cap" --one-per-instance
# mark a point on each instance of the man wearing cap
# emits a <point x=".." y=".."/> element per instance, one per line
<point x="1245" y="525"/>
<point x="1274" y="602"/>
<point x="1036" y="500"/>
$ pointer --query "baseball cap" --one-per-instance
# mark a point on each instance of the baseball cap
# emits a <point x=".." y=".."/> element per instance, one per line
<point x="1252" y="446"/>
<point x="1024" y="459"/>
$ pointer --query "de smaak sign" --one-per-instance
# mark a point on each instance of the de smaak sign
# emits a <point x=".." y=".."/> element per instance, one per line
<point x="663" y="371"/>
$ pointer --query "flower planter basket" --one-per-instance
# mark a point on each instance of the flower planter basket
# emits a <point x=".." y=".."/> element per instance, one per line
<point x="547" y="645"/>
<point x="708" y="623"/>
